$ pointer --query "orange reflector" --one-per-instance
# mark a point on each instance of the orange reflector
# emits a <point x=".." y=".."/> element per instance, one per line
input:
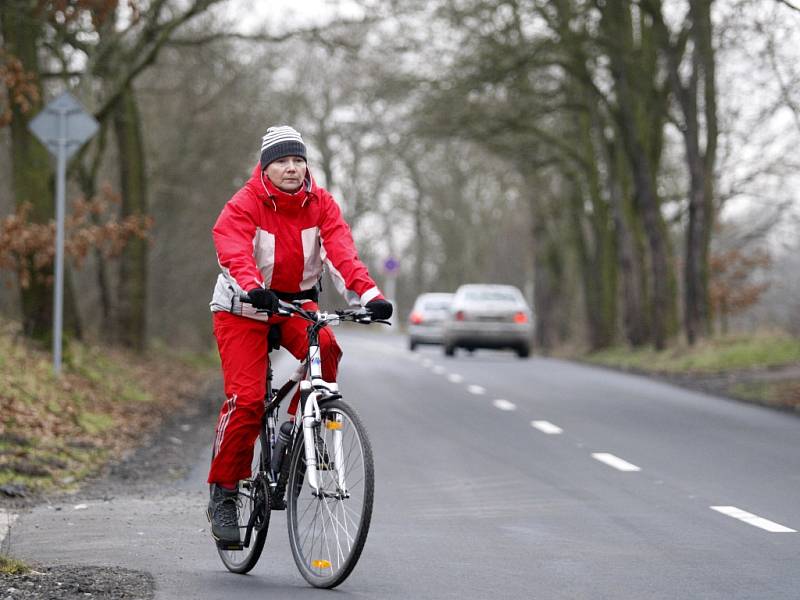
<point x="520" y="317"/>
<point x="333" y="425"/>
<point x="321" y="564"/>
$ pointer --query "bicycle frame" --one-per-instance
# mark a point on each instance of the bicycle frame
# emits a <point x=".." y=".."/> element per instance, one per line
<point x="312" y="456"/>
<point x="314" y="390"/>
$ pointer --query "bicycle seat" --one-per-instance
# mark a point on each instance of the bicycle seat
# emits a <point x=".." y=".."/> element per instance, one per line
<point x="274" y="338"/>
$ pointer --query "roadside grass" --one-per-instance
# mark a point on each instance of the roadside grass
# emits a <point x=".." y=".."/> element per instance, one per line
<point x="54" y="431"/>
<point x="12" y="566"/>
<point x="784" y="394"/>
<point x="762" y="351"/>
<point x="762" y="368"/>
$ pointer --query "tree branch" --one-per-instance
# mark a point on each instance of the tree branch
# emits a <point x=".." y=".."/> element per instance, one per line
<point x="789" y="4"/>
<point x="145" y="52"/>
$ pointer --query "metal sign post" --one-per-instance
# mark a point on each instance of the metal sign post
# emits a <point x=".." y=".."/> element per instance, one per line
<point x="63" y="126"/>
<point x="391" y="267"/>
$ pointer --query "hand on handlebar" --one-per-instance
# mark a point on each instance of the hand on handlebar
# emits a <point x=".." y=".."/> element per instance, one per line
<point x="264" y="300"/>
<point x="381" y="309"/>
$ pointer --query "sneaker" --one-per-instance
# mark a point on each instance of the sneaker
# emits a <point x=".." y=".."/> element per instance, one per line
<point x="276" y="498"/>
<point x="224" y="516"/>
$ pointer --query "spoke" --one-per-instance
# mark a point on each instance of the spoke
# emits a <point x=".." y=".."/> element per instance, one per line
<point x="311" y="527"/>
<point x="352" y="514"/>
<point x="325" y="537"/>
<point x="356" y="444"/>
<point x="308" y="505"/>
<point x="346" y="527"/>
<point x="339" y="523"/>
<point x="343" y="524"/>
<point x="339" y="553"/>
<point x="353" y="486"/>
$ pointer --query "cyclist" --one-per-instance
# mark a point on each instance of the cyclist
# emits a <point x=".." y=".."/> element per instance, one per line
<point x="272" y="238"/>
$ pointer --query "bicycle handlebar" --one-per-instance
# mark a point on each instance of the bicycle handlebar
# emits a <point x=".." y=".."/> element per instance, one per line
<point x="285" y="309"/>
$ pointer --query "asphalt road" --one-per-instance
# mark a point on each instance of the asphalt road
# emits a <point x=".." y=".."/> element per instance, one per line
<point x="499" y="478"/>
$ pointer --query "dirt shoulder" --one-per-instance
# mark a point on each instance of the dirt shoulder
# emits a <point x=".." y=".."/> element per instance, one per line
<point x="761" y="368"/>
<point x="115" y="423"/>
<point x="162" y="458"/>
<point x="773" y="387"/>
<point x="777" y="387"/>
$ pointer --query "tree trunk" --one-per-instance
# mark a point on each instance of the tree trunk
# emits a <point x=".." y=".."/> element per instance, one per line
<point x="701" y="164"/>
<point x="548" y="276"/>
<point x="634" y="128"/>
<point x="88" y="183"/>
<point x="629" y="257"/>
<point x="21" y="29"/>
<point x="132" y="290"/>
<point x="603" y="263"/>
<point x="699" y="89"/>
<point x="596" y="254"/>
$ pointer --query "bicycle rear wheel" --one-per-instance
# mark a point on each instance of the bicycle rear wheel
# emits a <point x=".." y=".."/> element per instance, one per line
<point x="253" y="504"/>
<point x="327" y="531"/>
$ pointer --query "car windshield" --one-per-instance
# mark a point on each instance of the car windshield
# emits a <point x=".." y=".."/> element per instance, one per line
<point x="490" y="296"/>
<point x="437" y="305"/>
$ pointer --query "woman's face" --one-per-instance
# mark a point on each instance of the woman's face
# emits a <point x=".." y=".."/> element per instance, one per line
<point x="287" y="173"/>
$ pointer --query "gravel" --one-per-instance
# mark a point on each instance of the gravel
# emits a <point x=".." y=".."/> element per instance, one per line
<point x="66" y="582"/>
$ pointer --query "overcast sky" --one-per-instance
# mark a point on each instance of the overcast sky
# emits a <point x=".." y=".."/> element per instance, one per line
<point x="292" y="14"/>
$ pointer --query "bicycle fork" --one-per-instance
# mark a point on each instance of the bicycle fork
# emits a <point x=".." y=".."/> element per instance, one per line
<point x="312" y="418"/>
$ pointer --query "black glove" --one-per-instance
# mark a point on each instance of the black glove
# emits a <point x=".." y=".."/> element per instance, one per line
<point x="263" y="299"/>
<point x="380" y="309"/>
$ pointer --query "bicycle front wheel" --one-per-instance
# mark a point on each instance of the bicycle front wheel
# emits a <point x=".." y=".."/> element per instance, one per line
<point x="254" y="512"/>
<point x="328" y="527"/>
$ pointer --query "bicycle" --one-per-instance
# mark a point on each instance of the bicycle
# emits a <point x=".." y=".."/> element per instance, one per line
<point x="322" y="462"/>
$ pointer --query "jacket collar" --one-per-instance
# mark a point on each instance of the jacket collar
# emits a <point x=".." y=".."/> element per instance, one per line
<point x="267" y="191"/>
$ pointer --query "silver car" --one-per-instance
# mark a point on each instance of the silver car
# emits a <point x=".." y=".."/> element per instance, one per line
<point x="488" y="316"/>
<point x="426" y="319"/>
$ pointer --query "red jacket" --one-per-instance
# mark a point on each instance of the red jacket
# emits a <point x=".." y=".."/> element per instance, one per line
<point x="267" y="237"/>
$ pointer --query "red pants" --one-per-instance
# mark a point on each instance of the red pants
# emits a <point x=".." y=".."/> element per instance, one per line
<point x="242" y="344"/>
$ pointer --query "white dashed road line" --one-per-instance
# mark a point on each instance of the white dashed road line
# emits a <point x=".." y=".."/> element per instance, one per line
<point x="504" y="404"/>
<point x="455" y="378"/>
<point x="427" y="362"/>
<point x="751" y="519"/>
<point x="476" y="389"/>
<point x="439" y="370"/>
<point x="547" y="427"/>
<point x="615" y="461"/>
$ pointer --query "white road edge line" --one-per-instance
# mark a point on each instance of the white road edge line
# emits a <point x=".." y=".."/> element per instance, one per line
<point x="476" y="389"/>
<point x="751" y="519"/>
<point x="615" y="461"/>
<point x="504" y="404"/>
<point x="6" y="521"/>
<point x="547" y="427"/>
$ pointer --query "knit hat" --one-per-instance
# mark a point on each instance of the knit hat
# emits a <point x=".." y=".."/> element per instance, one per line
<point x="279" y="142"/>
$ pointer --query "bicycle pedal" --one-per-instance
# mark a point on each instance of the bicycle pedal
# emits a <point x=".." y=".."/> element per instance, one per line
<point x="228" y="546"/>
